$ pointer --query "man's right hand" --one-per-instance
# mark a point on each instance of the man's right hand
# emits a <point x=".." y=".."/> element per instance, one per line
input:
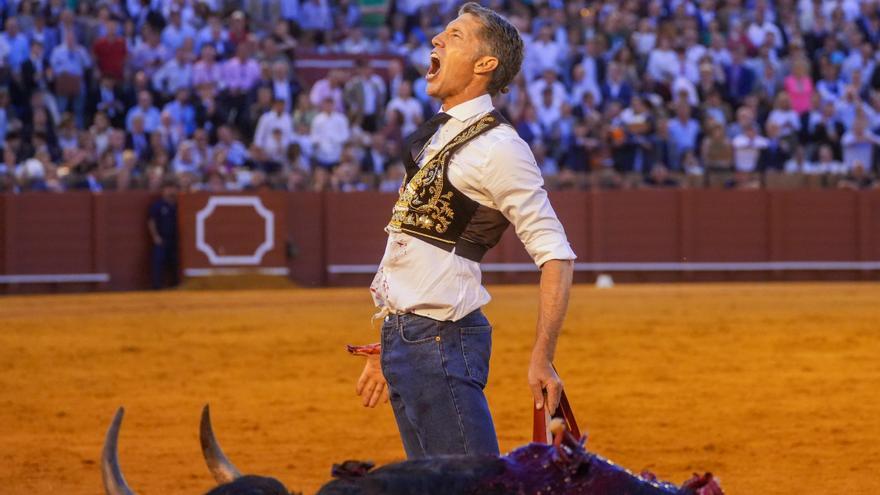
<point x="372" y="385"/>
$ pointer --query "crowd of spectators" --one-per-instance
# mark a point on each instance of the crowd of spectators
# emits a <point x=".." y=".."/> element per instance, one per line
<point x="123" y="94"/>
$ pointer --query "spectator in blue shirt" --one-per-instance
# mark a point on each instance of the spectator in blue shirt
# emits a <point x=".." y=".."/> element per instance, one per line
<point x="176" y="32"/>
<point x="69" y="62"/>
<point x="316" y="15"/>
<point x="144" y="107"/>
<point x="182" y="111"/>
<point x="45" y="34"/>
<point x="683" y="134"/>
<point x="175" y="74"/>
<point x="19" y="46"/>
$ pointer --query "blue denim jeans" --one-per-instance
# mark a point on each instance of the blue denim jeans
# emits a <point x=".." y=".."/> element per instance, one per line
<point x="436" y="372"/>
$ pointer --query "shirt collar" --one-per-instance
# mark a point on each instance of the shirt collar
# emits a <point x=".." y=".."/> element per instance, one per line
<point x="471" y="108"/>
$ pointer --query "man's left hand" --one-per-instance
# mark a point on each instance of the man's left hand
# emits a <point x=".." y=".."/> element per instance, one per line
<point x="542" y="377"/>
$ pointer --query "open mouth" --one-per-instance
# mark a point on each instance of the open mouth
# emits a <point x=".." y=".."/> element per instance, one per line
<point x="434" y="69"/>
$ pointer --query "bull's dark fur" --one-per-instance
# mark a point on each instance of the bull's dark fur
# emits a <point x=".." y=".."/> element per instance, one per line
<point x="251" y="485"/>
<point x="447" y="475"/>
<point x="533" y="469"/>
<point x="562" y="468"/>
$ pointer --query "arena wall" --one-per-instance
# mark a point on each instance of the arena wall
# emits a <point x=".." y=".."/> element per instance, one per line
<point x="84" y="241"/>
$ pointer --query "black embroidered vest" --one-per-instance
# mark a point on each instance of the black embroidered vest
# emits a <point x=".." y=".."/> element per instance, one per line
<point x="430" y="208"/>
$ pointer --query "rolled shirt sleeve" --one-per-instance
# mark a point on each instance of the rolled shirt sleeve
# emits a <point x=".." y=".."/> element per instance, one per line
<point x="513" y="181"/>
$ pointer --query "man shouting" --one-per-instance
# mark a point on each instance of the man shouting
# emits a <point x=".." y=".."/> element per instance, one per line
<point x="468" y="176"/>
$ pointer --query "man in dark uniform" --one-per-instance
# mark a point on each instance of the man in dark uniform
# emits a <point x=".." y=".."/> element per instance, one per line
<point x="162" y="225"/>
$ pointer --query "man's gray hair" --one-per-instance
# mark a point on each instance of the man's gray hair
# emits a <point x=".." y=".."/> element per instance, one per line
<point x="502" y="41"/>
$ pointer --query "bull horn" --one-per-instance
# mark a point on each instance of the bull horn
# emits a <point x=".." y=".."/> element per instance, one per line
<point x="114" y="482"/>
<point x="221" y="468"/>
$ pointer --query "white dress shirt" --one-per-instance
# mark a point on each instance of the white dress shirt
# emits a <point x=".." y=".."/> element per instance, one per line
<point x="497" y="170"/>
<point x="411" y="110"/>
<point x="329" y="133"/>
<point x="746" y="151"/>
<point x="270" y="122"/>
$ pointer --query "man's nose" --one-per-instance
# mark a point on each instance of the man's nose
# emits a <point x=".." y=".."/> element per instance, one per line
<point x="437" y="41"/>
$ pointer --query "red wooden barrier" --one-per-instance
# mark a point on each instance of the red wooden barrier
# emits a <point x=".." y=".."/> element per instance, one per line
<point x="338" y="238"/>
<point x="222" y="232"/>
<point x="126" y="241"/>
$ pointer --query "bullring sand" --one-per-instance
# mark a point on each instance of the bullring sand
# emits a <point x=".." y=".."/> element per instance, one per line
<point x="774" y="387"/>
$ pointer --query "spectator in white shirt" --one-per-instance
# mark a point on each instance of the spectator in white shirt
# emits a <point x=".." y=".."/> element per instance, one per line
<point x="545" y="52"/>
<point x="645" y="38"/>
<point x="548" y="110"/>
<point x="798" y="163"/>
<point x="783" y="116"/>
<point x="830" y="88"/>
<point x="581" y="84"/>
<point x="718" y="51"/>
<point x="661" y="61"/>
<point x="408" y="106"/>
<point x="175" y="74"/>
<point x="851" y="107"/>
<point x="694" y="48"/>
<point x="274" y="120"/>
<point x="825" y="162"/>
<point x="185" y="161"/>
<point x="859" y="61"/>
<point x="746" y="149"/>
<point x="355" y="43"/>
<point x="858" y="146"/>
<point x="759" y="29"/>
<point x="549" y="80"/>
<point x="302" y="137"/>
<point x="593" y="63"/>
<point x="330" y="131"/>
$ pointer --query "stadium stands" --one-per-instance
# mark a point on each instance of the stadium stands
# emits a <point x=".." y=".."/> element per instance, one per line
<point x="317" y="95"/>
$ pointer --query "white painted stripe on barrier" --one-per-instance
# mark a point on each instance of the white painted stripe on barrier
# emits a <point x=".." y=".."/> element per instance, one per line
<point x="734" y="266"/>
<point x="54" y="278"/>
<point x="211" y="272"/>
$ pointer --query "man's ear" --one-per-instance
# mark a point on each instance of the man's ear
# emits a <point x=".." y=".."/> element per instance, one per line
<point x="485" y="65"/>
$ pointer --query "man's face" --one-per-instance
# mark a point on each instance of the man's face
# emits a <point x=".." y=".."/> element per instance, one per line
<point x="456" y="49"/>
<point x="169" y="193"/>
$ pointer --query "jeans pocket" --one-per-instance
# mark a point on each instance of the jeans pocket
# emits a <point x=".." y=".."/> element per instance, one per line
<point x="418" y="330"/>
<point x="476" y="347"/>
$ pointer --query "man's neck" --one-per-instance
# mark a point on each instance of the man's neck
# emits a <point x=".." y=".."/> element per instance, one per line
<point x="455" y="100"/>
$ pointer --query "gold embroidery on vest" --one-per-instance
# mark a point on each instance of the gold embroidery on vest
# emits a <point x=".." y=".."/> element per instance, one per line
<point x="422" y="203"/>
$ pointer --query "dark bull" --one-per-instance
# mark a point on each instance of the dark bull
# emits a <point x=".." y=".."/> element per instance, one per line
<point x="563" y="467"/>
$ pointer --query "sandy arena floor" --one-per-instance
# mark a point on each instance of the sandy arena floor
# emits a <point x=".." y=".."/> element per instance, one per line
<point x="773" y="387"/>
